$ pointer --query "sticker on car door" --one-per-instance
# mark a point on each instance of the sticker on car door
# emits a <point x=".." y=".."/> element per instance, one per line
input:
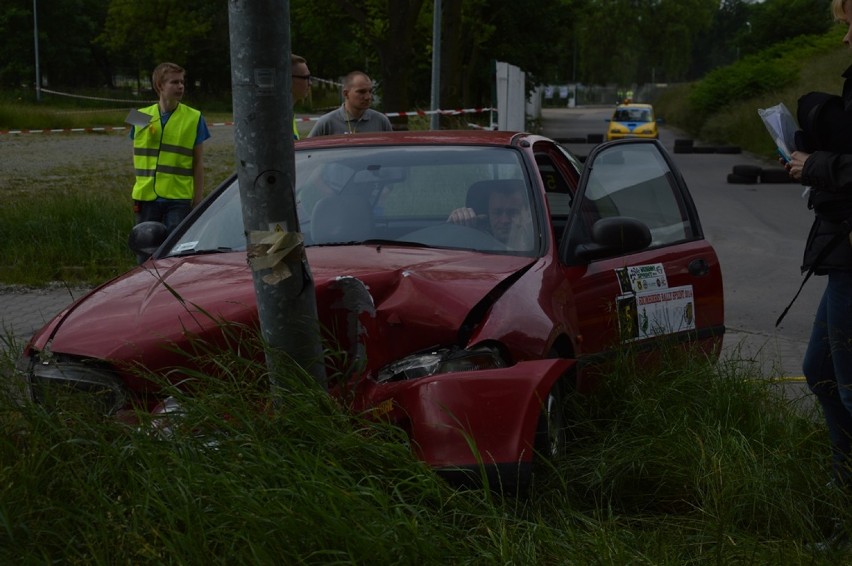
<point x="639" y="278"/>
<point x="648" y="307"/>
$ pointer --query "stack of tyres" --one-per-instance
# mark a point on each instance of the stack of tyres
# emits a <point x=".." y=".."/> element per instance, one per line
<point x="682" y="145"/>
<point x="744" y="174"/>
<point x="751" y="174"/>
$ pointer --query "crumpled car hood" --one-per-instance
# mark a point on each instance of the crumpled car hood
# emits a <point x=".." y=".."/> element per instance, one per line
<point x="420" y="299"/>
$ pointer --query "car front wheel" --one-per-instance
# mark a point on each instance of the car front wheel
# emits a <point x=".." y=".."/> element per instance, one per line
<point x="551" y="442"/>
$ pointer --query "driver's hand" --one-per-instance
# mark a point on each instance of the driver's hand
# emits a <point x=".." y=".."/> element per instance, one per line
<point x="463" y="216"/>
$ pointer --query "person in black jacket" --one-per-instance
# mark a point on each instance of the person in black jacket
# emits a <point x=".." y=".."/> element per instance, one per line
<point x="828" y="360"/>
<point x="823" y="161"/>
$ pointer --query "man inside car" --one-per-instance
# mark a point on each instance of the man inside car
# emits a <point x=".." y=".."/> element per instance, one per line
<point x="499" y="208"/>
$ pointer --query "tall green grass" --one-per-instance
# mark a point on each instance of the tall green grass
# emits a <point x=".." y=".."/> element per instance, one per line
<point x="57" y="236"/>
<point x="71" y="223"/>
<point x="696" y="463"/>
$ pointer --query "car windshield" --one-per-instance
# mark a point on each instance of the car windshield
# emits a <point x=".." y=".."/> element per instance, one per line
<point x="633" y="115"/>
<point x="401" y="194"/>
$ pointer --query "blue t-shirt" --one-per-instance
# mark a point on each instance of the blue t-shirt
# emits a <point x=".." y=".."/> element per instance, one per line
<point x="202" y="134"/>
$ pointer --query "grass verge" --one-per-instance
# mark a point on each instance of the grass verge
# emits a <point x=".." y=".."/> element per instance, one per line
<point x="70" y="221"/>
<point x="695" y="464"/>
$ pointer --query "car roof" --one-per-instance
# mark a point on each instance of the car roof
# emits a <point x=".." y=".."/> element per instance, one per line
<point x="634" y="105"/>
<point x="497" y="138"/>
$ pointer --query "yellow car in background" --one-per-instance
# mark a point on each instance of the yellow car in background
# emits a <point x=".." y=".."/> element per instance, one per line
<point x="632" y="121"/>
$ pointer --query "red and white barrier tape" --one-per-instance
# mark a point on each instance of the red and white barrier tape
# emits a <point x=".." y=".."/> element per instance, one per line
<point x="457" y="112"/>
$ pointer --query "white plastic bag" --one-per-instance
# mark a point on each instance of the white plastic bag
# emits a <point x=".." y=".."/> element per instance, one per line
<point x="782" y="127"/>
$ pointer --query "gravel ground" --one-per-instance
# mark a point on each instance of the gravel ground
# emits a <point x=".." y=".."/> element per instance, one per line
<point x="25" y="158"/>
<point x="28" y="160"/>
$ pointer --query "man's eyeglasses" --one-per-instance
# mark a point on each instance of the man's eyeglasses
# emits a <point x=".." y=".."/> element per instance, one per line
<point x="306" y="77"/>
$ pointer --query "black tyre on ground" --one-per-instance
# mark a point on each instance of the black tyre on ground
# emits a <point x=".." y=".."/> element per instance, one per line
<point x="704" y="149"/>
<point x="682" y="145"/>
<point x="747" y="170"/>
<point x="735" y="179"/>
<point x="729" y="149"/>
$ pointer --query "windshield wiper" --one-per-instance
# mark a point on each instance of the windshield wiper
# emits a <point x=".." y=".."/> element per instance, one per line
<point x="381" y="242"/>
<point x="371" y="242"/>
<point x="205" y="251"/>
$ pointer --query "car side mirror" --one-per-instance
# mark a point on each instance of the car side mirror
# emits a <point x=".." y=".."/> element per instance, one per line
<point x="616" y="235"/>
<point x="146" y="237"/>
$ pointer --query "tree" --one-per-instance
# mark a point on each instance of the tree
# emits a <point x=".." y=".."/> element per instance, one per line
<point x="654" y="38"/>
<point x="722" y="43"/>
<point x="143" y="34"/>
<point x="391" y="28"/>
<point x="668" y="35"/>
<point x="87" y="42"/>
<point x="775" y="21"/>
<point x="17" y="54"/>
<point x="67" y="55"/>
<point x="603" y="60"/>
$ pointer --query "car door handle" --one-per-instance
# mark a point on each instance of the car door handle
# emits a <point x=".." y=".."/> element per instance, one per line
<point x="698" y="267"/>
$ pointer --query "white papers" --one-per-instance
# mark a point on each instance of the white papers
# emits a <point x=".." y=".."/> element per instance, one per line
<point x="138" y="119"/>
<point x="782" y="127"/>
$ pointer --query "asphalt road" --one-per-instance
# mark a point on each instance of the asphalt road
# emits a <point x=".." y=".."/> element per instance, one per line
<point x="758" y="232"/>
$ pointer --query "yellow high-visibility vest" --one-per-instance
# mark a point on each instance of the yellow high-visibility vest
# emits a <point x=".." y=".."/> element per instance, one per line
<point x="162" y="157"/>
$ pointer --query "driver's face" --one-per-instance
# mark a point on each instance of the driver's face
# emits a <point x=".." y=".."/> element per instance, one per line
<point x="504" y="212"/>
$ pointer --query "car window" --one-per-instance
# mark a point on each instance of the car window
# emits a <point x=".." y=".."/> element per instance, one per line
<point x="404" y="194"/>
<point x="559" y="180"/>
<point x="407" y="194"/>
<point x="634" y="180"/>
<point x="633" y="115"/>
<point x="218" y="228"/>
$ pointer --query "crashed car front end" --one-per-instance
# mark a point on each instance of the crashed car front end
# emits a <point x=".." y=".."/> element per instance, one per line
<point x="463" y="421"/>
<point x="45" y="378"/>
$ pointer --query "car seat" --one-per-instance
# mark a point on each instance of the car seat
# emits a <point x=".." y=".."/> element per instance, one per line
<point x="341" y="219"/>
<point x="479" y="192"/>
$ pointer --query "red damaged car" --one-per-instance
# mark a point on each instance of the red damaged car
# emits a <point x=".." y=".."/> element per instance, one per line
<point x="473" y="276"/>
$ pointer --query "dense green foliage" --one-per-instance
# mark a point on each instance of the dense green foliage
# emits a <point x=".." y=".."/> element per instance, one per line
<point x="92" y="44"/>
<point x="722" y="107"/>
<point x="768" y="71"/>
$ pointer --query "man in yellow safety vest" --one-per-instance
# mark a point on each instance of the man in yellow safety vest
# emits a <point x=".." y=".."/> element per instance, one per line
<point x="167" y="153"/>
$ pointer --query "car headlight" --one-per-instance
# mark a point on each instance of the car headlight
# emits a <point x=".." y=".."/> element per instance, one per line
<point x="445" y="360"/>
<point x="61" y="379"/>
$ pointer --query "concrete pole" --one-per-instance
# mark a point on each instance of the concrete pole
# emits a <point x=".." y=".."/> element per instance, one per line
<point x="35" y="39"/>
<point x="263" y="132"/>
<point x="435" y="123"/>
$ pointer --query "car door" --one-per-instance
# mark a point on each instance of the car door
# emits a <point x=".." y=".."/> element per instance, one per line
<point x="640" y="268"/>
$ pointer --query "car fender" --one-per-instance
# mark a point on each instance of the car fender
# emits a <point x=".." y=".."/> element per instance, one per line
<point x="469" y="418"/>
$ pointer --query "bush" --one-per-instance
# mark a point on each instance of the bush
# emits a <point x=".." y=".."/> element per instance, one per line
<point x="766" y="74"/>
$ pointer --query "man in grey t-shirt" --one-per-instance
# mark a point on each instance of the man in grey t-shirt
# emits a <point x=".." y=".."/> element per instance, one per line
<point x="355" y="115"/>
